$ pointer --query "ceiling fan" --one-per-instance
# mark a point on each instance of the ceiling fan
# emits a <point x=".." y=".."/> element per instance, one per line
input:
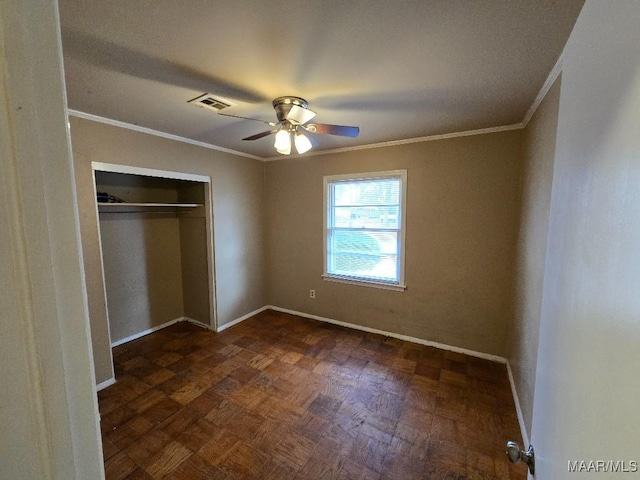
<point x="293" y="121"/>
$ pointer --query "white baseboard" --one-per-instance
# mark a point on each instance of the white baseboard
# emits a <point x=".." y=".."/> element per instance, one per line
<point x="195" y="322"/>
<point x="111" y="381"/>
<point x="105" y="384"/>
<point x="516" y="400"/>
<point x="486" y="356"/>
<point x="442" y="346"/>
<point x="420" y="341"/>
<point x="242" y="319"/>
<point x="146" y="332"/>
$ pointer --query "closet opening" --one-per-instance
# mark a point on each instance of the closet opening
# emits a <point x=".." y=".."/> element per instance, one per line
<point x="156" y="245"/>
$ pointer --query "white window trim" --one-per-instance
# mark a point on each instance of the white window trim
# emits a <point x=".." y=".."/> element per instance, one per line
<point x="400" y="285"/>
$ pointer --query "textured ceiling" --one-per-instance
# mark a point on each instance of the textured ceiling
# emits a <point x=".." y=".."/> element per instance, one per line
<point x="398" y="69"/>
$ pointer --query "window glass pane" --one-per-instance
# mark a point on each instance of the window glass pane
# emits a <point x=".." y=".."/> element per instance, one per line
<point x="367" y="192"/>
<point x="366" y="217"/>
<point x="363" y="254"/>
<point x="351" y="265"/>
<point x="387" y="242"/>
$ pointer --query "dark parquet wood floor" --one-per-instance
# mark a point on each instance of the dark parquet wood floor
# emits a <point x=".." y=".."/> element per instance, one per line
<point x="282" y="397"/>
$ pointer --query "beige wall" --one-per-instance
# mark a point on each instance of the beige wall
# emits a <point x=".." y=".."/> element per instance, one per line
<point x="193" y="260"/>
<point x="462" y="209"/>
<point x="142" y="271"/>
<point x="538" y="155"/>
<point x="238" y="217"/>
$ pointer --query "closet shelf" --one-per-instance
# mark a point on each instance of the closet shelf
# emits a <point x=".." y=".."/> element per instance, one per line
<point x="127" y="204"/>
<point x="131" y="207"/>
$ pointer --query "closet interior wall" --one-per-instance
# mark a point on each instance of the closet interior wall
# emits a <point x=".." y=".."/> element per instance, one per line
<point x="155" y="257"/>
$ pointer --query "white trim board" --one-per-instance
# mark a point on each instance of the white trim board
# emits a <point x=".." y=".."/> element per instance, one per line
<point x="148" y="172"/>
<point x="144" y="333"/>
<point x="157" y="133"/>
<point x="112" y="380"/>
<point x="135" y="336"/>
<point x="105" y="384"/>
<point x="442" y="346"/>
<point x="241" y="319"/>
<point x="407" y="338"/>
<point x="553" y="75"/>
<point x="516" y="400"/>
<point x="393" y="143"/>
<point x="546" y="86"/>
<point x="186" y="319"/>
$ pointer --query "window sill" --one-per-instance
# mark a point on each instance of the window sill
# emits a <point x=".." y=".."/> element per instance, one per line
<point x="364" y="283"/>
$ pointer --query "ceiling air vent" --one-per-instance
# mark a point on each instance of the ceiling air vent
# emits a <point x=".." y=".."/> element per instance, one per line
<point x="206" y="100"/>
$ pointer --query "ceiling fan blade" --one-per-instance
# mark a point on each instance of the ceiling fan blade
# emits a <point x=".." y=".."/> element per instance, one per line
<point x="273" y="124"/>
<point x="260" y="135"/>
<point x="341" y="130"/>
<point x="314" y="142"/>
<point x="299" y="115"/>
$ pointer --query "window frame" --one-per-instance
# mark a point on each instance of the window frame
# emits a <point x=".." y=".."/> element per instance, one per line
<point x="328" y="181"/>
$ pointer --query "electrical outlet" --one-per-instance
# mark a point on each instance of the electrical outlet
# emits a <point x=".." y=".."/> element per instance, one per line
<point x="312" y="294"/>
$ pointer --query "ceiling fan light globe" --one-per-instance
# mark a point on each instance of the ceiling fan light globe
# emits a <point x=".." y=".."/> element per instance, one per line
<point x="302" y="143"/>
<point x="283" y="142"/>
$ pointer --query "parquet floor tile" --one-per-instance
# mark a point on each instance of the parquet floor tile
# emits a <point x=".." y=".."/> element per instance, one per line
<point x="281" y="397"/>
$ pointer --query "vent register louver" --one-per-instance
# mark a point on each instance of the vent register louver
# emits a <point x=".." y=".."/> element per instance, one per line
<point x="207" y="100"/>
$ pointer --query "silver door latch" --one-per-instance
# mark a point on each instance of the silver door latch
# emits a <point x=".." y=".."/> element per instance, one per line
<point x="515" y="455"/>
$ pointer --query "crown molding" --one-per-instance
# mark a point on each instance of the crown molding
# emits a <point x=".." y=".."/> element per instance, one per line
<point x="393" y="143"/>
<point x="157" y="133"/>
<point x="546" y="86"/>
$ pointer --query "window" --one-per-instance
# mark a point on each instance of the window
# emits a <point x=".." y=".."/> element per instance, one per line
<point x="364" y="228"/>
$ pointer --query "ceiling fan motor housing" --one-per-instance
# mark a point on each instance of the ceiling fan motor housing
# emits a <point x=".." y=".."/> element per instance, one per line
<point x="282" y="106"/>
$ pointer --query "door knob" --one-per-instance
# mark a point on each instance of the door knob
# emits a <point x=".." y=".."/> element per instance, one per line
<point x="515" y="455"/>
